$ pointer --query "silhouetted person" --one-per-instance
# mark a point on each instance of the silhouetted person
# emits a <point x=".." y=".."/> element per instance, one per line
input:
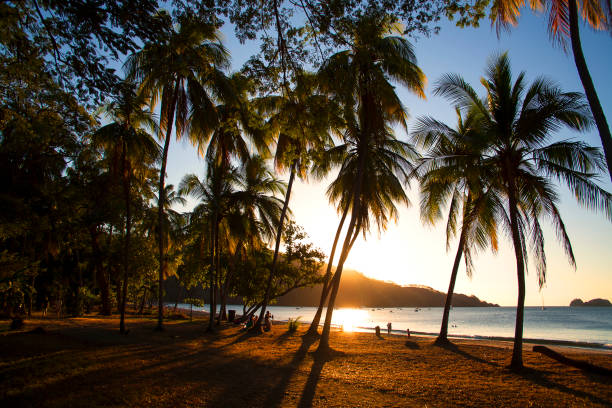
<point x="389" y="328"/>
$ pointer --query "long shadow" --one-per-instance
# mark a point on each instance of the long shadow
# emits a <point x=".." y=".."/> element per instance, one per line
<point x="276" y="394"/>
<point x="320" y="358"/>
<point x="455" y="349"/>
<point x="539" y="378"/>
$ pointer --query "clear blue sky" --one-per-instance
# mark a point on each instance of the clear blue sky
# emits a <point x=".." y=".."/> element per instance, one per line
<point x="409" y="253"/>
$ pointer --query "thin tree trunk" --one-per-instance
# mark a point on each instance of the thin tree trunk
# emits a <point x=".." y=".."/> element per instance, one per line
<point x="346" y="247"/>
<point x="128" y="227"/>
<point x="213" y="306"/>
<point x="279" y="234"/>
<point x="178" y="297"/>
<point x="517" y="351"/>
<point x="443" y="336"/>
<point x="100" y="273"/>
<point x="160" y="211"/>
<point x="335" y="284"/>
<point x="314" y="325"/>
<point x="589" y="87"/>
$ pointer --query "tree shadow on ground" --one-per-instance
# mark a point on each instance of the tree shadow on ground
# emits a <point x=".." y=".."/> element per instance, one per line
<point x="455" y="349"/>
<point x="276" y="395"/>
<point x="541" y="378"/>
<point x="320" y="357"/>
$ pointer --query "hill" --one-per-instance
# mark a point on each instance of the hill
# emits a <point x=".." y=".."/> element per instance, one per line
<point x="358" y="290"/>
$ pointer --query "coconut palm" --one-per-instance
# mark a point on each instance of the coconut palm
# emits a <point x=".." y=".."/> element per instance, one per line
<point x="563" y="23"/>
<point x="518" y="120"/>
<point x="451" y="175"/>
<point x="301" y="118"/>
<point x="249" y="189"/>
<point x="128" y="146"/>
<point x="373" y="164"/>
<point x="182" y="71"/>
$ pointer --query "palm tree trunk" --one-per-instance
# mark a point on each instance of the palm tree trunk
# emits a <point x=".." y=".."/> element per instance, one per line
<point x="279" y="234"/>
<point x="314" y="325"/>
<point x="128" y="225"/>
<point x="346" y="247"/>
<point x="442" y="337"/>
<point x="589" y="87"/>
<point x="100" y="273"/>
<point x="517" y="351"/>
<point x="160" y="211"/>
<point x="213" y="306"/>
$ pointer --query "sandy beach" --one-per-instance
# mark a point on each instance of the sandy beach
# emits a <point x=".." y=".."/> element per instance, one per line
<point x="86" y="362"/>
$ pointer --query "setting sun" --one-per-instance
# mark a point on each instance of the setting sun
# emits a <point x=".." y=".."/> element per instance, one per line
<point x="350" y="319"/>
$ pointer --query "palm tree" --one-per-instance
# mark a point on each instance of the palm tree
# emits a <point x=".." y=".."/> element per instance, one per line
<point x="301" y="118"/>
<point x="182" y="70"/>
<point x="249" y="189"/>
<point x="452" y="175"/>
<point x="563" y="23"/>
<point x="517" y="120"/>
<point x="126" y="141"/>
<point x="374" y="165"/>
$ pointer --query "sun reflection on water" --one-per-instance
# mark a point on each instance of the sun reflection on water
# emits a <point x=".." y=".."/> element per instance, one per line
<point x="350" y="319"/>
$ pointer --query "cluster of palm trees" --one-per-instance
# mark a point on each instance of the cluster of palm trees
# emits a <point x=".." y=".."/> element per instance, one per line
<point x="494" y="170"/>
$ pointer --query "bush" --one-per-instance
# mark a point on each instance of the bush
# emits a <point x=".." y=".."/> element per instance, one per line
<point x="293" y="324"/>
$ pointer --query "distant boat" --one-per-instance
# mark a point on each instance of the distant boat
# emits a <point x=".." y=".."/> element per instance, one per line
<point x="416" y="309"/>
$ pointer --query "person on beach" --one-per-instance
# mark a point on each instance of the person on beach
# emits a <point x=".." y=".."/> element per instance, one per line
<point x="268" y="321"/>
<point x="389" y="328"/>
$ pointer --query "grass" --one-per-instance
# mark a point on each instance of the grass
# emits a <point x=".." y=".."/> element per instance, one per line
<point x="84" y="362"/>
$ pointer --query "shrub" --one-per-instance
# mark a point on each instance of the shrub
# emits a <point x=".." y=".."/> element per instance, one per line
<point x="293" y="324"/>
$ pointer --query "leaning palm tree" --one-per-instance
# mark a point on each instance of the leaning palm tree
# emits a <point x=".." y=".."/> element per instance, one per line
<point x="518" y="120"/>
<point x="127" y="145"/>
<point x="451" y="175"/>
<point x="373" y="164"/>
<point x="563" y="22"/>
<point x="182" y="70"/>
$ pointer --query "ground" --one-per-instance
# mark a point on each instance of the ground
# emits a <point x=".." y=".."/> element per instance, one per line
<point x="85" y="362"/>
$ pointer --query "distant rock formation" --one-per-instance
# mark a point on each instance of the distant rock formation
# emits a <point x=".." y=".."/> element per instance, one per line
<point x="593" y="302"/>
<point x="356" y="290"/>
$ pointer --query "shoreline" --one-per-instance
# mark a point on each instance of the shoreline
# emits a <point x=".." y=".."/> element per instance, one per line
<point x="566" y="344"/>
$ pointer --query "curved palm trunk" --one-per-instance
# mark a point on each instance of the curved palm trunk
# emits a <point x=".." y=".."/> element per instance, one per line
<point x="160" y="211"/>
<point x="279" y="234"/>
<point x="517" y="351"/>
<point x="314" y="325"/>
<point x="589" y="88"/>
<point x="346" y="247"/>
<point x="443" y="336"/>
<point x="128" y="227"/>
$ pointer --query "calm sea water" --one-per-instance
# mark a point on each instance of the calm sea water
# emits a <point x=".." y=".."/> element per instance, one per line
<point x="591" y="325"/>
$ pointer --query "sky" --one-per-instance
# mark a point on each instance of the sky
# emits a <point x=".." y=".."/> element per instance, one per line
<point x="409" y="252"/>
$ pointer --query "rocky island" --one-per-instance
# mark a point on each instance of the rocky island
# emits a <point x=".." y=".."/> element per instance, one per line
<point x="593" y="302"/>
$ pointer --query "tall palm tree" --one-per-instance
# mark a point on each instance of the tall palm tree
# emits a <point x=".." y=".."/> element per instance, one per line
<point x="301" y="118"/>
<point x="563" y="23"/>
<point x="518" y="120"/>
<point x="451" y="175"/>
<point x="126" y="141"/>
<point x="374" y="165"/>
<point x="183" y="71"/>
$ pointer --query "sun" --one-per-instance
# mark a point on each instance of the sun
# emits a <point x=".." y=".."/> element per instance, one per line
<point x="350" y="319"/>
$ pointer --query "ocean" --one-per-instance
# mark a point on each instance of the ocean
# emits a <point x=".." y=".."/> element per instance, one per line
<point x="578" y="326"/>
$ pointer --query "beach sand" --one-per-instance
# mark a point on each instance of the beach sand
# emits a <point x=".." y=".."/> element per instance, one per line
<point x="85" y="362"/>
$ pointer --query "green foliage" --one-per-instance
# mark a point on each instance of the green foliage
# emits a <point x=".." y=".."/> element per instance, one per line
<point x="293" y="324"/>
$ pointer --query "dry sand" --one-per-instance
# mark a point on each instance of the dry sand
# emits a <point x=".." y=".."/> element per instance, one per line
<point x="84" y="362"/>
